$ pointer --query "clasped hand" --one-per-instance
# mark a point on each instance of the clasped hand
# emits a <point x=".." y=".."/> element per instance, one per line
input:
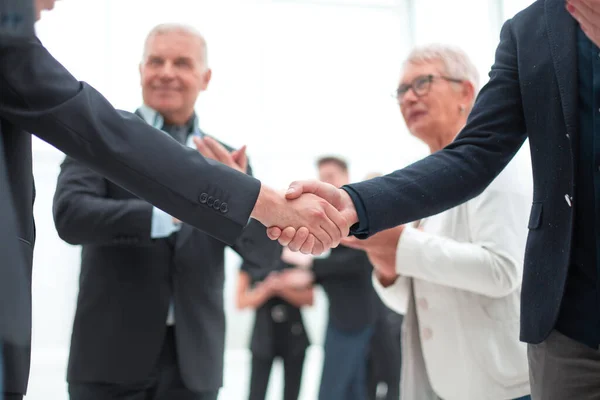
<point x="338" y="207"/>
<point x="311" y="217"/>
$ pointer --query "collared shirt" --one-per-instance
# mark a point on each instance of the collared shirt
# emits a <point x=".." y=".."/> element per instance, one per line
<point x="163" y="225"/>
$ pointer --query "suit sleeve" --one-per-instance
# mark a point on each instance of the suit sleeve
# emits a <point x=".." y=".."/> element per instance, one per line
<point x="39" y="95"/>
<point x="260" y="254"/>
<point x="490" y="263"/>
<point x="493" y="134"/>
<point x="83" y="214"/>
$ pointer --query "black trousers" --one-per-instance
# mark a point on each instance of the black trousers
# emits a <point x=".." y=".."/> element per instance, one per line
<point x="164" y="384"/>
<point x="261" y="371"/>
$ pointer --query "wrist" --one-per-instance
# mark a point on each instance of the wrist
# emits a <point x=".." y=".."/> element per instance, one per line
<point x="386" y="280"/>
<point x="347" y="208"/>
<point x="263" y="208"/>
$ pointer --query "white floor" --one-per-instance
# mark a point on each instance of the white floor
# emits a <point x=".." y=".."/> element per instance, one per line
<point x="48" y="376"/>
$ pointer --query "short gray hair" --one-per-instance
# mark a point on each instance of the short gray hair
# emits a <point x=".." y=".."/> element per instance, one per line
<point x="455" y="62"/>
<point x="175" y="27"/>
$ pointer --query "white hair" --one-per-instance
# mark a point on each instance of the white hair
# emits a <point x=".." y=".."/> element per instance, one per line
<point x="455" y="62"/>
<point x="175" y="27"/>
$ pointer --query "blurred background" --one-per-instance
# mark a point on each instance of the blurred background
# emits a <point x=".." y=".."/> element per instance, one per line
<point x="292" y="79"/>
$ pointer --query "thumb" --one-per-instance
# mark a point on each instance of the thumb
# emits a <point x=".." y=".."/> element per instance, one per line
<point x="298" y="187"/>
<point x="238" y="154"/>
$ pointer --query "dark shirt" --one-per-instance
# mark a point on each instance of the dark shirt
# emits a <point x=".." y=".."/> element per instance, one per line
<point x="345" y="275"/>
<point x="579" y="316"/>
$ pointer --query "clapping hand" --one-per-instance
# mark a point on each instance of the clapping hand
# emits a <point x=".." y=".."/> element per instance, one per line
<point x="587" y="13"/>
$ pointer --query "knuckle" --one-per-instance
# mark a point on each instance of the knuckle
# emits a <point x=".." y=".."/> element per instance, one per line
<point x="317" y="213"/>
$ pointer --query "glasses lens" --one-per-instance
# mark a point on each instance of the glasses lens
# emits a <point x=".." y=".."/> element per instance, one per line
<point x="421" y="85"/>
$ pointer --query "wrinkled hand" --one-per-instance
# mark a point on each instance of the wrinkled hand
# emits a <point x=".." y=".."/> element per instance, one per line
<point x="210" y="148"/>
<point x="296" y="238"/>
<point x="294" y="258"/>
<point x="297" y="278"/>
<point x="380" y="248"/>
<point x="320" y="225"/>
<point x="587" y="13"/>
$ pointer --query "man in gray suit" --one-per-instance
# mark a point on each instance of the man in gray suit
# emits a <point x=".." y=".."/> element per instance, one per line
<point x="40" y="96"/>
<point x="162" y="280"/>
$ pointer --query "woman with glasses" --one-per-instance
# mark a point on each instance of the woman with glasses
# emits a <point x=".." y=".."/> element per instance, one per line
<point x="457" y="275"/>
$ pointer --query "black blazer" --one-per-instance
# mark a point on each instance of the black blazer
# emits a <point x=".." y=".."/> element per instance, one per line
<point x="532" y="93"/>
<point x="127" y="281"/>
<point x="38" y="95"/>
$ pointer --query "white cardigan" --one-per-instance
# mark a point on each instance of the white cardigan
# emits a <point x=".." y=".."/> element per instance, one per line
<point x="461" y="334"/>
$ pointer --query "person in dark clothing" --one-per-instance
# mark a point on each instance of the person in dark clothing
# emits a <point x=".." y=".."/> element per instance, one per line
<point x="278" y="328"/>
<point x="385" y="356"/>
<point x="354" y="308"/>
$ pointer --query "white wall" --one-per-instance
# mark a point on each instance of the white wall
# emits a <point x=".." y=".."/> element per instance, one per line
<point x="292" y="79"/>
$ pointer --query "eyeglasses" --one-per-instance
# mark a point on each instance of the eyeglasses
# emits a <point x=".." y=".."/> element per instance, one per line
<point x="421" y="85"/>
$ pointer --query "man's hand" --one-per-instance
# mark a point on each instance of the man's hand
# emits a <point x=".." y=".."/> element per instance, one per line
<point x="210" y="148"/>
<point x="295" y="238"/>
<point x="320" y="225"/>
<point x="381" y="250"/>
<point x="587" y="13"/>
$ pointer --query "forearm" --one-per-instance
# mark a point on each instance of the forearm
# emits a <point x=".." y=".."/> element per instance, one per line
<point x="298" y="297"/>
<point x="253" y="298"/>
<point x="39" y="95"/>
<point x="465" y="266"/>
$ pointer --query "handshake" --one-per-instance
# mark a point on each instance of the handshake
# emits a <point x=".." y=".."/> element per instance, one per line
<point x="311" y="217"/>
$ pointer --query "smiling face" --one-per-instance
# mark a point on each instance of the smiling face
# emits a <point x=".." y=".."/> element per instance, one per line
<point x="437" y="103"/>
<point x="173" y="73"/>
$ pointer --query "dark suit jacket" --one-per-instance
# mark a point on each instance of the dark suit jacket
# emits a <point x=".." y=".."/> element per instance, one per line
<point x="345" y="275"/>
<point x="38" y="95"/>
<point x="532" y="93"/>
<point x="127" y="281"/>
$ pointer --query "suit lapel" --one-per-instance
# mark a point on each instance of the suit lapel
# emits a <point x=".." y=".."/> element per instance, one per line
<point x="562" y="34"/>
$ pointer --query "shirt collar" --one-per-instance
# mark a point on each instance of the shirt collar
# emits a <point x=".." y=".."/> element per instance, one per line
<point x="153" y="117"/>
